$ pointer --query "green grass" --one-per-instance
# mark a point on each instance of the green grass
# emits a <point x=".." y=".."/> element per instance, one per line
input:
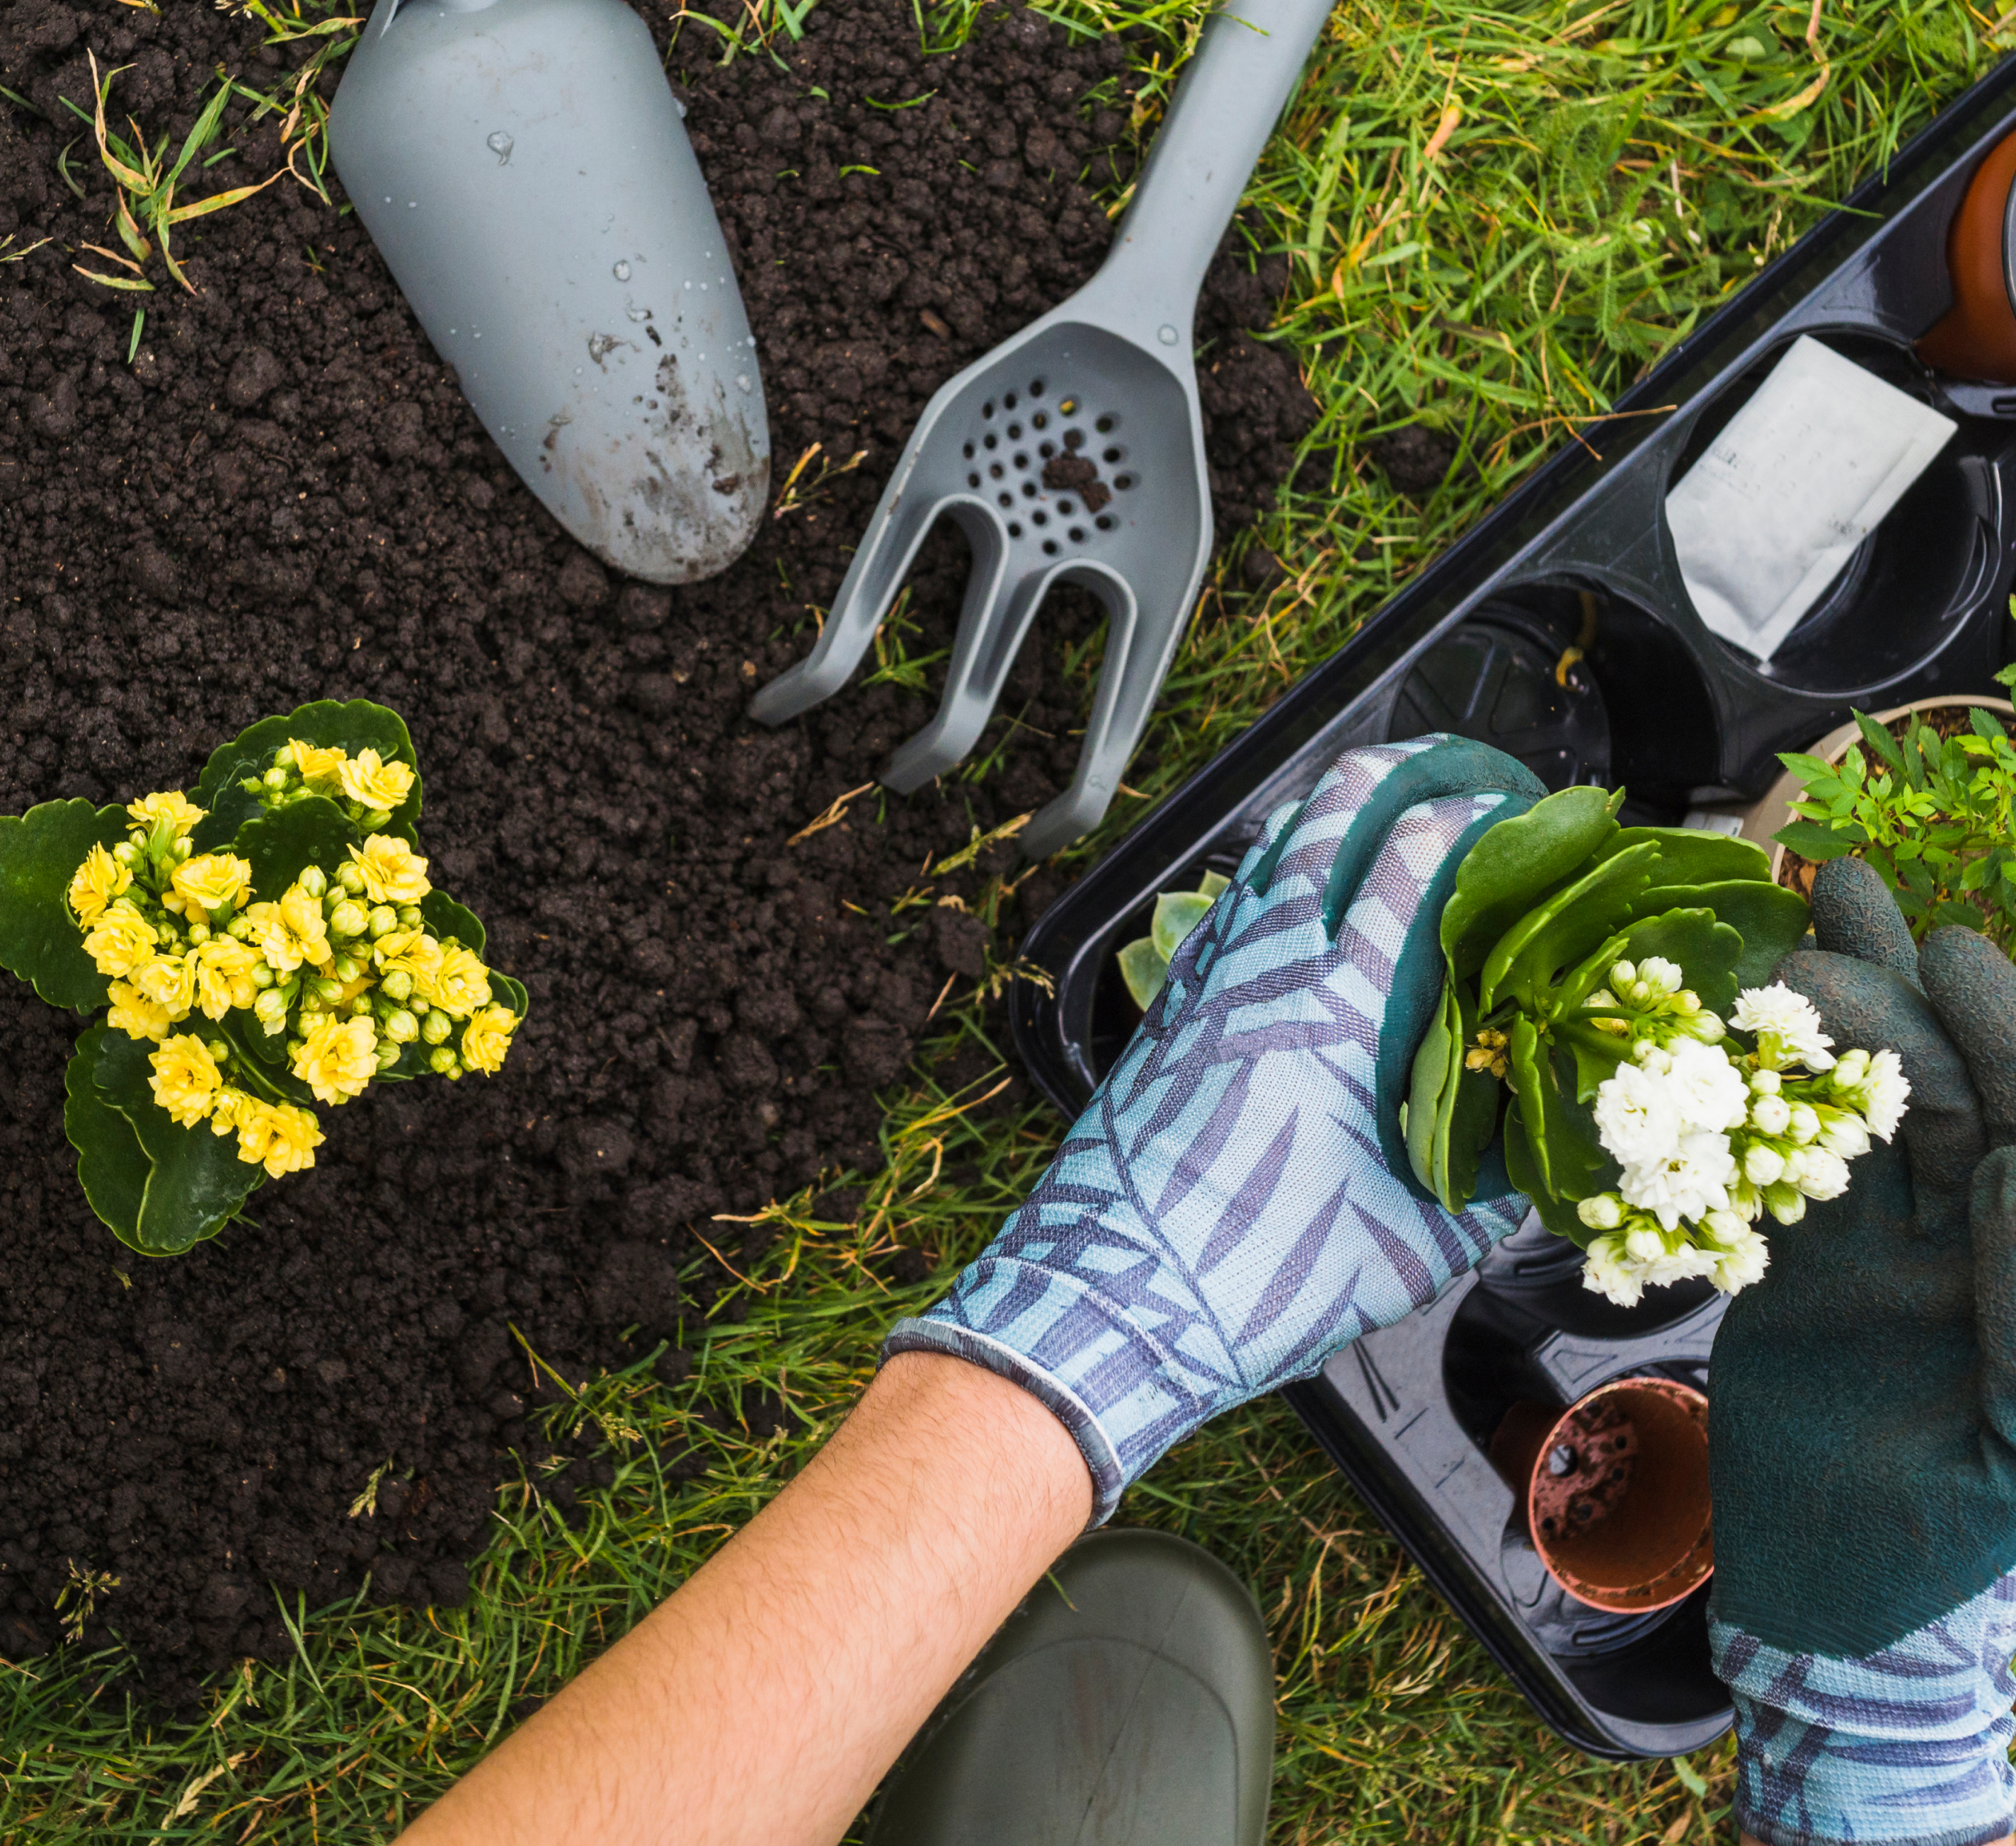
<point x="1496" y="218"/>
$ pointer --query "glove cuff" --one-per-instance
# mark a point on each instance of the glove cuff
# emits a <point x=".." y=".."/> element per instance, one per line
<point x="1118" y="1389"/>
<point x="1908" y="1744"/>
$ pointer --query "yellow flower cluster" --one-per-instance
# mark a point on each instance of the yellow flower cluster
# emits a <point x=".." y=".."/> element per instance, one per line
<point x="189" y="1085"/>
<point x="342" y="962"/>
<point x="366" y="777"/>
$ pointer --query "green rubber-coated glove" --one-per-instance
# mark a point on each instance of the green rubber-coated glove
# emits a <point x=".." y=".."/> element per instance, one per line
<point x="1862" y="1423"/>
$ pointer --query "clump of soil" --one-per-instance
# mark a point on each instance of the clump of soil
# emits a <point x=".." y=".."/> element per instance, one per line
<point x="1416" y="459"/>
<point x="284" y="497"/>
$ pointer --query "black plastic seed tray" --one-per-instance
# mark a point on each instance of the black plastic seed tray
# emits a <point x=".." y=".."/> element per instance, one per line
<point x="1581" y="556"/>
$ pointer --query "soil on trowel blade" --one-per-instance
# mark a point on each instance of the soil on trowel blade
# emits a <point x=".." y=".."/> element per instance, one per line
<point x="284" y="497"/>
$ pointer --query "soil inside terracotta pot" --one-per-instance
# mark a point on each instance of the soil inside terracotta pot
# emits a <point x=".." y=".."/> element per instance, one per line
<point x="1795" y="872"/>
<point x="284" y="497"/>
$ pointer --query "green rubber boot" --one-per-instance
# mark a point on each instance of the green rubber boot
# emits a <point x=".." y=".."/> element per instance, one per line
<point x="1128" y="1702"/>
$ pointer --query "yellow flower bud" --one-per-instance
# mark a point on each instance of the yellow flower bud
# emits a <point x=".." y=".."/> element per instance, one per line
<point x="270" y="1008"/>
<point x="337" y="1058"/>
<point x="460" y="985"/>
<point x="135" y="1015"/>
<point x="99" y="880"/>
<point x="370" y="782"/>
<point x="186" y="1080"/>
<point x="393" y="872"/>
<point x="315" y="765"/>
<point x="122" y="941"/>
<point x="223" y="975"/>
<point x="212" y="880"/>
<point x="169" y="980"/>
<point x="487" y="1037"/>
<point x="172" y="807"/>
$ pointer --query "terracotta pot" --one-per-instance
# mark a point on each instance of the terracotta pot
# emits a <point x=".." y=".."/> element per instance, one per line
<point x="1774" y="811"/>
<point x="1976" y="338"/>
<point x="1615" y="1492"/>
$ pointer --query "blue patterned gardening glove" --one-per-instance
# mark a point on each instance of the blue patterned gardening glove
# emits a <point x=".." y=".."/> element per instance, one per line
<point x="1236" y="1202"/>
<point x="1862" y="1423"/>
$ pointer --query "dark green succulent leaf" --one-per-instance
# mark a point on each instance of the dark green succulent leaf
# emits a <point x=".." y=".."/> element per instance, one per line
<point x="1522" y="1168"/>
<point x="40" y="852"/>
<point x="314" y="832"/>
<point x="195" y="1184"/>
<point x="1597" y="1054"/>
<point x="356" y="725"/>
<point x="510" y="992"/>
<point x="446" y="918"/>
<point x="1516" y="864"/>
<point x="1693" y="855"/>
<point x="1469" y="1117"/>
<point x="1569" y="1159"/>
<point x="111" y="1166"/>
<point x="1427" y="1082"/>
<point x="1771" y="920"/>
<point x="1528" y="960"/>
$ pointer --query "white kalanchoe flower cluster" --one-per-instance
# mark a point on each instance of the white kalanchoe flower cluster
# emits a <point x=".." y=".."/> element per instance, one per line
<point x="1709" y="1142"/>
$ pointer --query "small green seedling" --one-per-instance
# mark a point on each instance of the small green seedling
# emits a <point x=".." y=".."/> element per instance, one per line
<point x="1144" y="965"/>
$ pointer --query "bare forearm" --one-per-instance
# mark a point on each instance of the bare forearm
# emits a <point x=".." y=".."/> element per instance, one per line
<point x="816" y="1641"/>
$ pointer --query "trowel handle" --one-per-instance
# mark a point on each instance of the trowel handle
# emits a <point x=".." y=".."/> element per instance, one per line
<point x="1238" y="81"/>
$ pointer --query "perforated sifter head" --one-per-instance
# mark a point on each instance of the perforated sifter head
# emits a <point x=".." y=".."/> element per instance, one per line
<point x="1073" y="452"/>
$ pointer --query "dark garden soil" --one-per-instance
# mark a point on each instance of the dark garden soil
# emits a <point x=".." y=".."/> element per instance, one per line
<point x="284" y="497"/>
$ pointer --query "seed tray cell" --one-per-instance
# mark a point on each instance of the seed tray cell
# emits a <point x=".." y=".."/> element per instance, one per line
<point x="1561" y="630"/>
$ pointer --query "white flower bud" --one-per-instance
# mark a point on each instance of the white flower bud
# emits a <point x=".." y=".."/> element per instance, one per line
<point x="1822" y="1176"/>
<point x="1766" y="1083"/>
<point x="1660" y="975"/>
<point x="1604" y="1212"/>
<point x="1844" y="1134"/>
<point x="1850" y="1071"/>
<point x="1787" y="1203"/>
<point x="1622" y="974"/>
<point x="1770" y="1115"/>
<point x="1644" y="1243"/>
<point x="1806" y="1125"/>
<point x="1762" y="1165"/>
<point x="1724" y="1229"/>
<point x="1649" y="1055"/>
<point x="1707" y="1027"/>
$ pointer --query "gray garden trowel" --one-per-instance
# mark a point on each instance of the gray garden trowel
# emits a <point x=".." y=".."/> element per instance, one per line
<point x="522" y="167"/>
<point x="1073" y="452"/>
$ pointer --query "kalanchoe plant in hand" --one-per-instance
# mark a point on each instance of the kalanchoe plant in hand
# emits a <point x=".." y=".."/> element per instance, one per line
<point x="1594" y="973"/>
<point x="265" y="942"/>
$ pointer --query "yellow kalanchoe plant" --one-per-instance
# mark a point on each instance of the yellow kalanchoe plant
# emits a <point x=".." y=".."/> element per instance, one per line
<point x="274" y="943"/>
